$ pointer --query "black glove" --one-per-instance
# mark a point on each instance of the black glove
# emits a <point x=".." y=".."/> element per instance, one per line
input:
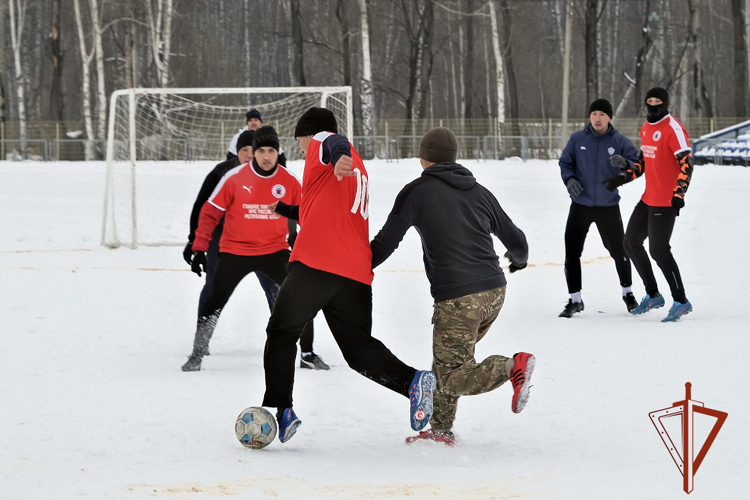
<point x="513" y="267"/>
<point x="574" y="187"/>
<point x="199" y="259"/>
<point x="187" y="254"/>
<point x="614" y="182"/>
<point x="291" y="239"/>
<point x="678" y="202"/>
<point x="618" y="161"/>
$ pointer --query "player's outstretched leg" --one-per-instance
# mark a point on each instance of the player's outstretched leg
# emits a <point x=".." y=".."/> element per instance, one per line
<point x="421" y="391"/>
<point x="678" y="310"/>
<point x="520" y="376"/>
<point x="288" y="424"/>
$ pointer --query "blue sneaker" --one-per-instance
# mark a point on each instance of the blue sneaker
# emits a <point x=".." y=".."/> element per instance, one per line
<point x="420" y="398"/>
<point x="649" y="303"/>
<point x="678" y="310"/>
<point x="288" y="425"/>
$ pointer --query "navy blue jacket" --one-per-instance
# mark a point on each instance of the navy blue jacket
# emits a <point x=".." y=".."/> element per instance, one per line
<point x="586" y="157"/>
<point x="455" y="217"/>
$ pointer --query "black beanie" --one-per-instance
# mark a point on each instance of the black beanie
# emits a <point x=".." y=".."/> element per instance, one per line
<point x="245" y="139"/>
<point x="439" y="145"/>
<point x="659" y="93"/>
<point x="253" y="113"/>
<point x="656" y="113"/>
<point x="316" y="120"/>
<point x="266" y="137"/>
<point x="602" y="105"/>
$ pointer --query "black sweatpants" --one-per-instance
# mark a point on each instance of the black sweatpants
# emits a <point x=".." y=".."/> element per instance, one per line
<point x="231" y="269"/>
<point x="347" y="306"/>
<point x="609" y="224"/>
<point x="270" y="288"/>
<point x="656" y="224"/>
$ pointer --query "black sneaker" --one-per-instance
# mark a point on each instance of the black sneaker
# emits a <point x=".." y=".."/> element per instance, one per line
<point x="571" y="308"/>
<point x="313" y="362"/>
<point x="193" y="364"/>
<point x="630" y="301"/>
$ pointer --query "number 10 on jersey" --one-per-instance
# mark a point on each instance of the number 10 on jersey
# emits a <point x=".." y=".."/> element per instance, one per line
<point x="362" y="198"/>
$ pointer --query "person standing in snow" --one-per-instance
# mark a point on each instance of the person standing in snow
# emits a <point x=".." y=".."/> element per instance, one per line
<point x="330" y="270"/>
<point x="244" y="154"/>
<point x="667" y="160"/>
<point x="254" y="239"/>
<point x="584" y="164"/>
<point x="456" y="217"/>
<point x="254" y="122"/>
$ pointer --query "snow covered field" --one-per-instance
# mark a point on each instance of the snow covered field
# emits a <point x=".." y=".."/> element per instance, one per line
<point x="93" y="403"/>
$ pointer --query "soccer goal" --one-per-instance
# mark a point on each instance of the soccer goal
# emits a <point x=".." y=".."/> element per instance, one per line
<point x="161" y="144"/>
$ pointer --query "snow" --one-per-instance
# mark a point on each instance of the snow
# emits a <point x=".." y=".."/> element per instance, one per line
<point x="93" y="403"/>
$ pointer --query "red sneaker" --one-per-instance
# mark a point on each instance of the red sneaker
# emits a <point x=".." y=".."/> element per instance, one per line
<point x="445" y="437"/>
<point x="520" y="376"/>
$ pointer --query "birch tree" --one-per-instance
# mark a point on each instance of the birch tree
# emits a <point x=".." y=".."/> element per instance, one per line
<point x="57" y="104"/>
<point x="17" y="13"/>
<point x="86" y="58"/>
<point x="159" y="14"/>
<point x="366" y="94"/>
<point x="499" y="73"/>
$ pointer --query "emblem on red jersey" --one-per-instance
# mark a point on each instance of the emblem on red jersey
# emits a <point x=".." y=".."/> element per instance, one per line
<point x="657" y="135"/>
<point x="278" y="191"/>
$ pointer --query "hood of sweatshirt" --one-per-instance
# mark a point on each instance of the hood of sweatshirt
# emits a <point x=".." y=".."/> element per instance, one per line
<point x="454" y="174"/>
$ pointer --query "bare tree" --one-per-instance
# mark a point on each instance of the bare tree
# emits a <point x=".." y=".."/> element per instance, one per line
<point x="57" y="103"/>
<point x="366" y="94"/>
<point x="159" y="14"/>
<point x="17" y="21"/>
<point x="298" y="62"/>
<point x="86" y="58"/>
<point x="419" y="23"/>
<point x="740" y="57"/>
<point x="499" y="73"/>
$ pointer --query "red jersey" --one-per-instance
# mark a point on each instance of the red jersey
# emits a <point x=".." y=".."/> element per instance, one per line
<point x="660" y="142"/>
<point x="334" y="233"/>
<point x="242" y="196"/>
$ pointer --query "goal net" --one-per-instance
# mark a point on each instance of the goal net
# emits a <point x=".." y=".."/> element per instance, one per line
<point x="161" y="144"/>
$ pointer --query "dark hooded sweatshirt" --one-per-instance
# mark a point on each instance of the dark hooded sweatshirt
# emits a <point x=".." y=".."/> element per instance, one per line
<point x="455" y="217"/>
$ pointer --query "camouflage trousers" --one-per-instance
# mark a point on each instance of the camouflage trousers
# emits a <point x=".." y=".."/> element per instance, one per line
<point x="458" y="324"/>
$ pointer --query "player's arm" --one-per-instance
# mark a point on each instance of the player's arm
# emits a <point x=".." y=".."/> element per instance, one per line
<point x="392" y="233"/>
<point x="291" y="212"/>
<point x="337" y="151"/>
<point x="628" y="170"/>
<point x="510" y="235"/>
<point x="685" y="160"/>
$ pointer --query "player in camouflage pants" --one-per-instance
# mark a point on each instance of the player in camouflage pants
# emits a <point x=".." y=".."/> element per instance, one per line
<point x="458" y="324"/>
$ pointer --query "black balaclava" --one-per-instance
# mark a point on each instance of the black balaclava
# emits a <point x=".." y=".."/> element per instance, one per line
<point x="656" y="113"/>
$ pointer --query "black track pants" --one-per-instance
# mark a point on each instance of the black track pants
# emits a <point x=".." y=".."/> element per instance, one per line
<point x="656" y="224"/>
<point x="609" y="224"/>
<point x="347" y="306"/>
<point x="231" y="269"/>
<point x="212" y="257"/>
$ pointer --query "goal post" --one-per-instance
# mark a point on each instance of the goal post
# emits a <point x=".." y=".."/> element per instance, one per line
<point x="162" y="142"/>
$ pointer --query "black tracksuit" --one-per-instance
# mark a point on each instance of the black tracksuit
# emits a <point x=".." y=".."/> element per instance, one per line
<point x="453" y="213"/>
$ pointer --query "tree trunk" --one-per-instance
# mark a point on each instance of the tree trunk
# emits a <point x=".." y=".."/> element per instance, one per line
<point x="345" y="41"/>
<point x="592" y="50"/>
<point x="366" y="94"/>
<point x="57" y="103"/>
<point x="298" y="61"/>
<point x="101" y="95"/>
<point x="86" y="58"/>
<point x="507" y="50"/>
<point x="640" y="61"/>
<point x="499" y="73"/>
<point x="17" y="21"/>
<point x="469" y="61"/>
<point x="740" y="58"/>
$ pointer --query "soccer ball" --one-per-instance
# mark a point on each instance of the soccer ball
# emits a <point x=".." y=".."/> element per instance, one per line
<point x="255" y="427"/>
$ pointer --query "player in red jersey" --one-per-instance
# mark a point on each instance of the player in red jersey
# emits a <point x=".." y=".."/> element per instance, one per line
<point x="667" y="161"/>
<point x="254" y="238"/>
<point x="330" y="270"/>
